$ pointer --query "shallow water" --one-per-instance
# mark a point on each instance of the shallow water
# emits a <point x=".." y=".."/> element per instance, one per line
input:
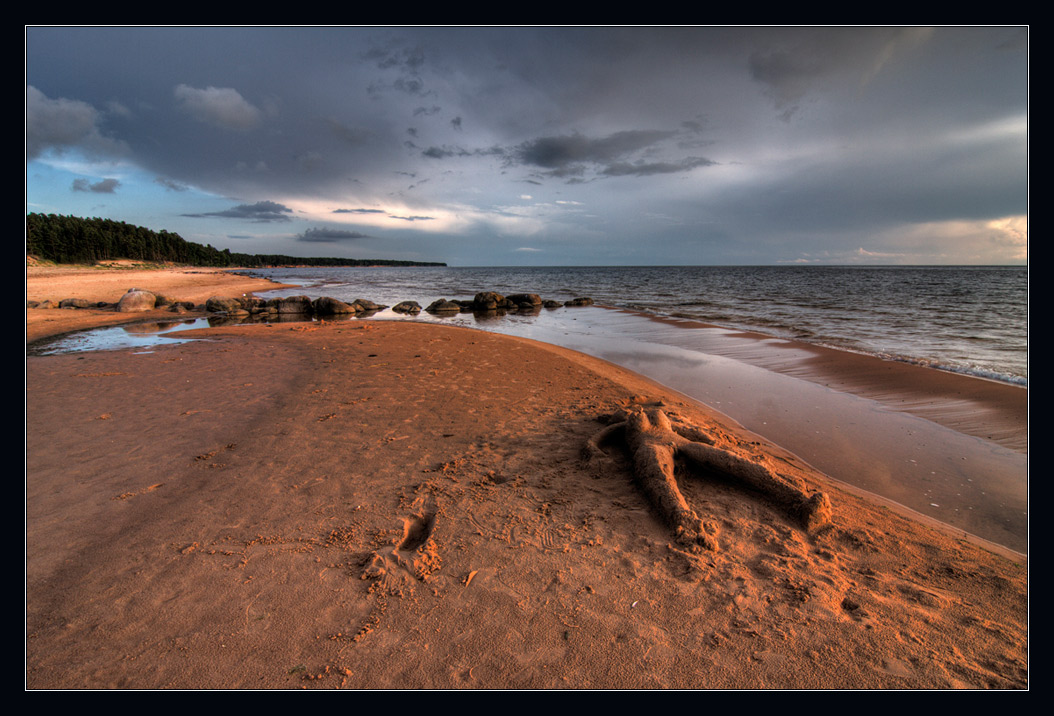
<point x="972" y="320"/>
<point x="139" y="337"/>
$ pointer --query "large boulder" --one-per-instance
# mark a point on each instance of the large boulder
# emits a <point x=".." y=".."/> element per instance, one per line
<point x="219" y="304"/>
<point x="365" y="304"/>
<point x="326" y="306"/>
<point x="443" y="306"/>
<point x="581" y="301"/>
<point x="291" y="304"/>
<point x="136" y="300"/>
<point x="525" y="300"/>
<point x="488" y="301"/>
<point x="412" y="307"/>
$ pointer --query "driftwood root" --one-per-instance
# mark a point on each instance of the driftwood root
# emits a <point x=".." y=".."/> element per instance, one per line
<point x="655" y="442"/>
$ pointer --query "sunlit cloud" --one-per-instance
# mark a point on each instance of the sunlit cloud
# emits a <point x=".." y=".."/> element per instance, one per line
<point x="221" y="106"/>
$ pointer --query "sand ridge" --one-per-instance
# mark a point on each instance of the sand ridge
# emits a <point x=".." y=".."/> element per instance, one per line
<point x="379" y="505"/>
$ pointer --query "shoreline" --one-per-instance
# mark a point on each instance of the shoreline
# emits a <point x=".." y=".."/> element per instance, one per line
<point x="382" y="504"/>
<point x="997" y="410"/>
<point x="935" y="454"/>
<point x="753" y="378"/>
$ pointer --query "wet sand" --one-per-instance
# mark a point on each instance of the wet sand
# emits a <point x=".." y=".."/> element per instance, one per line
<point x="944" y="446"/>
<point x="983" y="408"/>
<point x="370" y="504"/>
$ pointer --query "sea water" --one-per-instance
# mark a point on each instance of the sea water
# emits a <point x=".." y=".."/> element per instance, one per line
<point x="972" y="320"/>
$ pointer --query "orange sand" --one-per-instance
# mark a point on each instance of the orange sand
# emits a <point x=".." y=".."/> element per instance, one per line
<point x="102" y="284"/>
<point x="399" y="505"/>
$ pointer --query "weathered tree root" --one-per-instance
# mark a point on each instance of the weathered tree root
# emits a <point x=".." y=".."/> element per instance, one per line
<point x="654" y="442"/>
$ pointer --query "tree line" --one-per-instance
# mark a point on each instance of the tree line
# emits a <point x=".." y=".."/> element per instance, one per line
<point x="75" y="240"/>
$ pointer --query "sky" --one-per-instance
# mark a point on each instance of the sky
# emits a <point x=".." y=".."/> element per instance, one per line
<point x="542" y="146"/>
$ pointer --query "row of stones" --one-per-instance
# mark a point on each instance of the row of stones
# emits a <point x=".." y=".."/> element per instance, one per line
<point x="326" y="306"/>
<point x="136" y="299"/>
<point x="139" y="300"/>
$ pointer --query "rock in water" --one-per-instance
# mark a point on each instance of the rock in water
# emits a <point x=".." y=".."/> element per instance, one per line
<point x="326" y="306"/>
<point x="443" y="306"/>
<point x="219" y="304"/>
<point x="291" y="304"/>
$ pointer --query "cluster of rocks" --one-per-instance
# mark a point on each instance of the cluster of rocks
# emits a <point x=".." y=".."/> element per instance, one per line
<point x="300" y="305"/>
<point x="136" y="299"/>
<point x="491" y="301"/>
<point x="487" y="301"/>
<point x="325" y="306"/>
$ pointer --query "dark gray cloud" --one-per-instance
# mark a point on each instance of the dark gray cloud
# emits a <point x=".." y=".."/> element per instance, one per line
<point x="626" y="153"/>
<point x="104" y="186"/>
<point x="791" y="66"/>
<point x="170" y="184"/>
<point x="643" y="169"/>
<point x="445" y="152"/>
<point x="406" y="63"/>
<point x="409" y="60"/>
<point x="412" y="218"/>
<point x="260" y="212"/>
<point x="330" y="235"/>
<point x="562" y="151"/>
<point x="358" y="211"/>
<point x="575" y="155"/>
<point x="354" y="136"/>
<point x="448" y="151"/>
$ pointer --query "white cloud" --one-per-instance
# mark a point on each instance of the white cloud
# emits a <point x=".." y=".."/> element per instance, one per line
<point x="221" y="106"/>
<point x="60" y="124"/>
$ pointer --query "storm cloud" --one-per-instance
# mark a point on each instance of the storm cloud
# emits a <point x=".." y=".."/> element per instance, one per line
<point x="655" y="145"/>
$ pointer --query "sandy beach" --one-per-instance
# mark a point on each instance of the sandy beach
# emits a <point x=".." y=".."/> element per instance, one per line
<point x="109" y="284"/>
<point x="369" y="504"/>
